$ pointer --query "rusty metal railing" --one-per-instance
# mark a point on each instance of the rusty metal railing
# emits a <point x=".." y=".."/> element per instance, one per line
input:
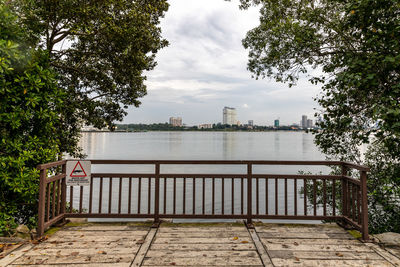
<point x="206" y="196"/>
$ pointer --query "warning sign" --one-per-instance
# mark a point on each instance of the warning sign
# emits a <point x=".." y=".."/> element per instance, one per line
<point x="78" y="172"/>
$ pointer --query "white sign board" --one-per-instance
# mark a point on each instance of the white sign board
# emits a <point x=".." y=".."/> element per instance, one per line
<point x="78" y="172"/>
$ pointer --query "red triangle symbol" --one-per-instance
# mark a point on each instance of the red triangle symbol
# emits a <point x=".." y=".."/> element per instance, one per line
<point x="80" y="172"/>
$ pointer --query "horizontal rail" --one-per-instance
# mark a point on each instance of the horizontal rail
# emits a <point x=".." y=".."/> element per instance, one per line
<point x="356" y="166"/>
<point x="55" y="178"/>
<point x="51" y="164"/>
<point x="218" y="162"/>
<point x="219" y="176"/>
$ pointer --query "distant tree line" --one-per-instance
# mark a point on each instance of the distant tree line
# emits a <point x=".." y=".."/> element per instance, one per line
<point x="215" y="127"/>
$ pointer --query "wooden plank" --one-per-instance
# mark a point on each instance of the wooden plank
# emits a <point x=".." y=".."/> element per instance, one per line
<point x="314" y="247"/>
<point x="119" y="264"/>
<point x="144" y="248"/>
<point x="132" y="243"/>
<point x="75" y="259"/>
<point x="384" y="253"/>
<point x="227" y="261"/>
<point x="324" y="255"/>
<point x="353" y="242"/>
<point x="317" y="263"/>
<point x="200" y="254"/>
<point x="159" y="240"/>
<point x="93" y="249"/>
<point x="203" y="247"/>
<point x="201" y="229"/>
<point x="305" y="235"/>
<point x="300" y="230"/>
<point x="99" y="233"/>
<point x="15" y="254"/>
<point x="265" y="258"/>
<point x="230" y="234"/>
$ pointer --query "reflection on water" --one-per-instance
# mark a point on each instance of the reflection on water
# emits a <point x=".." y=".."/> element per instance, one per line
<point x="200" y="146"/>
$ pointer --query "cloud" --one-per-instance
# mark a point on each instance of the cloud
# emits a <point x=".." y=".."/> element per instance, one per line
<point x="204" y="69"/>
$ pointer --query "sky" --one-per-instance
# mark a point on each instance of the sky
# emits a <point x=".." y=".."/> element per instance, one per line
<point x="204" y="68"/>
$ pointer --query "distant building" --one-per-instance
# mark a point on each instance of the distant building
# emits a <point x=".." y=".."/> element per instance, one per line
<point x="177" y="122"/>
<point x="303" y="122"/>
<point x="251" y="123"/>
<point x="229" y="116"/>
<point x="205" y="126"/>
<point x="276" y="123"/>
<point x="309" y="124"/>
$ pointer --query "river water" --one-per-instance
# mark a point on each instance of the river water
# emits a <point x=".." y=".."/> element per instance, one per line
<point x="202" y="146"/>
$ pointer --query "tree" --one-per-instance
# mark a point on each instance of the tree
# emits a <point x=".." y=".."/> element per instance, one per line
<point x="100" y="51"/>
<point x="30" y="103"/>
<point x="355" y="46"/>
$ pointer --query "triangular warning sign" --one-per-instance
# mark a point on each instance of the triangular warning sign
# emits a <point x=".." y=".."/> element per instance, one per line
<point x="78" y="171"/>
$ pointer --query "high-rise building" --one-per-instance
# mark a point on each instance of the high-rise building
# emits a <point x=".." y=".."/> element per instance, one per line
<point x="175" y="121"/>
<point x="309" y="123"/>
<point x="251" y="123"/>
<point x="276" y="123"/>
<point x="229" y="116"/>
<point x="303" y="121"/>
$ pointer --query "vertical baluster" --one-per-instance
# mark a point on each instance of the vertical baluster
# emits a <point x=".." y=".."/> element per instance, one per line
<point x="276" y="196"/>
<point x="213" y="196"/>
<point x="157" y="193"/>
<point x="344" y="190"/>
<point x="91" y="195"/>
<point x="315" y="196"/>
<point x="174" y="205"/>
<point x="223" y="196"/>
<point x="120" y="195"/>
<point x="53" y="208"/>
<point x="204" y="195"/>
<point x="194" y="195"/>
<point x="241" y="196"/>
<point x="184" y="195"/>
<point x="71" y="199"/>
<point x="358" y="205"/>
<point x="349" y="204"/>
<point x="257" y="196"/>
<point x="80" y="198"/>
<point x="305" y="196"/>
<point x="110" y="194"/>
<point x="165" y="195"/>
<point x="324" y="192"/>
<point x="48" y="202"/>
<point x="139" y="194"/>
<point x="130" y="195"/>
<point x="101" y="194"/>
<point x="266" y="196"/>
<point x="233" y="196"/>
<point x="58" y="196"/>
<point x="295" y="195"/>
<point x="353" y="202"/>
<point x="149" y="196"/>
<point x="334" y="197"/>
<point x="249" y="193"/>
<point x="286" y="201"/>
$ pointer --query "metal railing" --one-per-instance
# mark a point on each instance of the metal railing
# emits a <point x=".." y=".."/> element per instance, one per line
<point x="206" y="196"/>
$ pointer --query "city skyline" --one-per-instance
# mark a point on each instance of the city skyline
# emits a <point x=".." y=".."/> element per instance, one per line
<point x="204" y="68"/>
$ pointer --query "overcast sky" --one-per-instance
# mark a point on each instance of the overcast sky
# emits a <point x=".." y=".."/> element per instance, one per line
<point x="204" y="69"/>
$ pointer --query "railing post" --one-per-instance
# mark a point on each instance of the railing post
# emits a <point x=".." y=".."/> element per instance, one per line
<point x="63" y="191"/>
<point x="42" y="202"/>
<point x="364" y="206"/>
<point x="157" y="194"/>
<point x="249" y="193"/>
<point x="344" y="190"/>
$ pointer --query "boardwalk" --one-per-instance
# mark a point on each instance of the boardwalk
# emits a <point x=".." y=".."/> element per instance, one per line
<point x="201" y="245"/>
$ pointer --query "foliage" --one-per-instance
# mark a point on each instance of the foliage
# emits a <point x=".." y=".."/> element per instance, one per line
<point x="100" y="50"/>
<point x="354" y="47"/>
<point x="30" y="103"/>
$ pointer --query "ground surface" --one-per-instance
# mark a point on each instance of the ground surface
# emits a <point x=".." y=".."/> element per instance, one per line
<point x="201" y="245"/>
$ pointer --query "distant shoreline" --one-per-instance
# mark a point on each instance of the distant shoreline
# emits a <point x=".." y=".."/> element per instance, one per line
<point x="213" y="130"/>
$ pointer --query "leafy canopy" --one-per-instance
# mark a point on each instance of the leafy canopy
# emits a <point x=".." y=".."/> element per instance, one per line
<point x="351" y="48"/>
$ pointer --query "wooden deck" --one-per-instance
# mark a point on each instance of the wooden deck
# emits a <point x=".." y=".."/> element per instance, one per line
<point x="202" y="245"/>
